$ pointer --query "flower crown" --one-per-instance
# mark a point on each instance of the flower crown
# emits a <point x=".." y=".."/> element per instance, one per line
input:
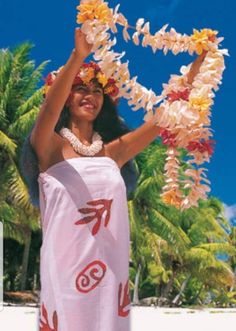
<point x="87" y="73"/>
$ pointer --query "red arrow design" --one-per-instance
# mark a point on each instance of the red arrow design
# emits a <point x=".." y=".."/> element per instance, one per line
<point x="97" y="213"/>
<point x="126" y="299"/>
<point x="45" y="326"/>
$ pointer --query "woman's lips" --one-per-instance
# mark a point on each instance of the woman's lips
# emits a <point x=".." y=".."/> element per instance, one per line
<point x="88" y="104"/>
<point x="89" y="108"/>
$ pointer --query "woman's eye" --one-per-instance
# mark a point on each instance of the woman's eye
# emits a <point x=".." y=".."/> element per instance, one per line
<point x="81" y="89"/>
<point x="98" y="91"/>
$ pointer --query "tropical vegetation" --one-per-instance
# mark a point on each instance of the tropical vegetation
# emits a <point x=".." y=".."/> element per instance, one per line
<point x="176" y="258"/>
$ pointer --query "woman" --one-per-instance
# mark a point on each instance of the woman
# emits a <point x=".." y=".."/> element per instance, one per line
<point x="84" y="257"/>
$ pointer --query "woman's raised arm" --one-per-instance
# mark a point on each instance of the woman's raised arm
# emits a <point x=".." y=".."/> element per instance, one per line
<point x="195" y="66"/>
<point x="43" y="136"/>
<point x="130" y="144"/>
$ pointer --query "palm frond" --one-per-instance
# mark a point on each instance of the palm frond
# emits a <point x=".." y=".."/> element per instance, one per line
<point x="11" y="225"/>
<point x="5" y="67"/>
<point x="203" y="264"/>
<point x="9" y="101"/>
<point x="27" y="86"/>
<point x="135" y="224"/>
<point x="151" y="161"/>
<point x="33" y="101"/>
<point x="22" y="125"/>
<point x="21" y="83"/>
<point x="18" y="192"/>
<point x="5" y="70"/>
<point x="149" y="187"/>
<point x="220" y="274"/>
<point x="219" y="248"/>
<point x="8" y="144"/>
<point x="174" y="235"/>
<point x="205" y="228"/>
<point x="13" y="230"/>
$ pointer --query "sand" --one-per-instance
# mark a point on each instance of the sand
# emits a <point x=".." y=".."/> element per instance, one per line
<point x="142" y="319"/>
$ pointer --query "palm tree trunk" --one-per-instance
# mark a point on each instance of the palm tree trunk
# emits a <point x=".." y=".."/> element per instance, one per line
<point x="183" y="286"/>
<point x="197" y="295"/>
<point x="167" y="288"/>
<point x="135" y="297"/>
<point x="233" y="286"/>
<point x="35" y="282"/>
<point x="25" y="259"/>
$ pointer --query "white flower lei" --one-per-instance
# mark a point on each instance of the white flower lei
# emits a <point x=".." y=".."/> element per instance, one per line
<point x="181" y="117"/>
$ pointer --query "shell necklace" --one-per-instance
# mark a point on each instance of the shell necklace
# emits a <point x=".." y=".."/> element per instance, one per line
<point x="79" y="147"/>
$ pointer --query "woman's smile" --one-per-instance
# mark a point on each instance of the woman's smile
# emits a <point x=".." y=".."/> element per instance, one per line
<point x="88" y="105"/>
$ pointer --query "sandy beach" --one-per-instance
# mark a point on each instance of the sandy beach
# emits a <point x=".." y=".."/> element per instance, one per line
<point x="142" y="319"/>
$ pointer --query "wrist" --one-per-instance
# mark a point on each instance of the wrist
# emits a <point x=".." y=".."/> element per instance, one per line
<point x="201" y="57"/>
<point x="77" y="55"/>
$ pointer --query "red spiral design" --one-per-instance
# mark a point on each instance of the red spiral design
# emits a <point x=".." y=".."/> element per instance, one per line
<point x="90" y="276"/>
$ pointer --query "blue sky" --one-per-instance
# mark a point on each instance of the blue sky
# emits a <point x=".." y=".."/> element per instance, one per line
<point x="49" y="25"/>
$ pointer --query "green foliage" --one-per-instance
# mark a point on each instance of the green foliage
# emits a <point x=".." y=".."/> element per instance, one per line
<point x="177" y="251"/>
<point x="224" y="298"/>
<point x="179" y="260"/>
<point x="20" y="98"/>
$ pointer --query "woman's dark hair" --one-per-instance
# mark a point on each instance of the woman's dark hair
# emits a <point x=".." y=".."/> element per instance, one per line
<point x="108" y="124"/>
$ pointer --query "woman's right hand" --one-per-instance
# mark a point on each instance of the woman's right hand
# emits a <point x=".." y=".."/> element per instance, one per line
<point x="82" y="47"/>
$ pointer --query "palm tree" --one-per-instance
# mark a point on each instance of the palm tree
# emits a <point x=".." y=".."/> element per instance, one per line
<point x="19" y="104"/>
<point x="169" y="247"/>
<point x="152" y="228"/>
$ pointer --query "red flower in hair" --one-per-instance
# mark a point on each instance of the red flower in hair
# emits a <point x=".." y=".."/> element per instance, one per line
<point x="111" y="81"/>
<point x="77" y="81"/>
<point x="49" y="79"/>
<point x="86" y="65"/>
<point x="112" y="90"/>
<point x="95" y="66"/>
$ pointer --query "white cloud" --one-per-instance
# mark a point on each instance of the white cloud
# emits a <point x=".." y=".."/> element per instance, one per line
<point x="230" y="211"/>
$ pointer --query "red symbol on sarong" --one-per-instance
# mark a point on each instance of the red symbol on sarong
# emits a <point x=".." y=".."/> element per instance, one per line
<point x="90" y="276"/>
<point x="44" y="326"/>
<point x="125" y="300"/>
<point x="97" y="213"/>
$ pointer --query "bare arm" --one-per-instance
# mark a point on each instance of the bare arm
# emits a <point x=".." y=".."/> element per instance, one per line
<point x="195" y="67"/>
<point x="43" y="137"/>
<point x="132" y="143"/>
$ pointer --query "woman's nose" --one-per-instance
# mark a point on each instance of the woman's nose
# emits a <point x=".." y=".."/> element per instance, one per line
<point x="88" y="92"/>
<point x="89" y="95"/>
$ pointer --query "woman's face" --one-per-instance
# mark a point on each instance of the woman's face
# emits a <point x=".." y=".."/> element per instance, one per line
<point x="86" y="101"/>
